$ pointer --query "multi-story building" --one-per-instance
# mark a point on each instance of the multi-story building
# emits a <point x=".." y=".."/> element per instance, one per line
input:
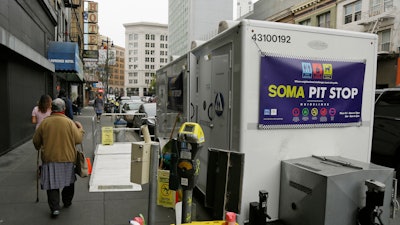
<point x="190" y="20"/>
<point x="31" y="31"/>
<point x="146" y="50"/>
<point x="116" y="82"/>
<point x="76" y="18"/>
<point x="243" y="7"/>
<point x="381" y="17"/>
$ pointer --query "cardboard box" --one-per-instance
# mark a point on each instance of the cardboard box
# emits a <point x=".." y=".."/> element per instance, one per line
<point x="140" y="162"/>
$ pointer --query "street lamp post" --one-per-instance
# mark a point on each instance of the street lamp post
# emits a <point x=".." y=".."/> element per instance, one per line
<point x="107" y="63"/>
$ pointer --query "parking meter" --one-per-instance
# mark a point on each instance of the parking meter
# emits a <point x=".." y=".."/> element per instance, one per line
<point x="185" y="166"/>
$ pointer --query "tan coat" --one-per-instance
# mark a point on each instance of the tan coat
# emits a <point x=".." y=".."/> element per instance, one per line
<point x="57" y="136"/>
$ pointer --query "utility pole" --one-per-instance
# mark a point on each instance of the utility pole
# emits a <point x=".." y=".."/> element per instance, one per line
<point x="106" y="67"/>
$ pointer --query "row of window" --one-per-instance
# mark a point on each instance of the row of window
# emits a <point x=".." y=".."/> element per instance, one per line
<point x="146" y="66"/>
<point x="135" y="37"/>
<point x="147" y="44"/>
<point x="323" y="20"/>
<point x="147" y="74"/>
<point x="147" y="52"/>
<point x="122" y="83"/>
<point x="352" y="12"/>
<point x="136" y="81"/>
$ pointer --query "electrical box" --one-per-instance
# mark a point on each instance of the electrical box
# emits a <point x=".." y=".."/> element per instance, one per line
<point x="140" y="162"/>
<point x="322" y="192"/>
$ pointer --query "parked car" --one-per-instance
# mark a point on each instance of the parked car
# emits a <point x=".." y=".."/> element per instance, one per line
<point x="386" y="133"/>
<point x="146" y="115"/>
<point x="130" y="107"/>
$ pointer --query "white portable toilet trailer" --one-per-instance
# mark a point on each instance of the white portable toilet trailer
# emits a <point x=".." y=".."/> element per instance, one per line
<point x="272" y="92"/>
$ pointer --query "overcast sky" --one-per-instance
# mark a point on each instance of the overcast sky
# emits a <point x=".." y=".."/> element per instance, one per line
<point x="114" y="13"/>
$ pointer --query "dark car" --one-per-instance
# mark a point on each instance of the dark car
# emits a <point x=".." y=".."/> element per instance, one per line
<point x="146" y="115"/>
<point x="386" y="134"/>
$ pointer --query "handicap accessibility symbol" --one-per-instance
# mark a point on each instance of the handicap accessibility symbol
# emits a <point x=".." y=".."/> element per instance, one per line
<point x="219" y="104"/>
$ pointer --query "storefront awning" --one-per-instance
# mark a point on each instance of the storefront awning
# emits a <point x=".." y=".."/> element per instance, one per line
<point x="65" y="56"/>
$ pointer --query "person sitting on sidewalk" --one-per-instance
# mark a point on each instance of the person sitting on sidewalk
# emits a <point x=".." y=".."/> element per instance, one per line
<point x="56" y="137"/>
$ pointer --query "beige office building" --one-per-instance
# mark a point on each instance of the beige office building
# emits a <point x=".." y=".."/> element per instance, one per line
<point x="146" y="50"/>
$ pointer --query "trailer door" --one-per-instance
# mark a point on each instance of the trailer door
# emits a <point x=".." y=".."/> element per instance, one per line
<point x="219" y="113"/>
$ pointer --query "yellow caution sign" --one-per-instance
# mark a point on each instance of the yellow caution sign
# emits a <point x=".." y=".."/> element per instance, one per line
<point x="107" y="136"/>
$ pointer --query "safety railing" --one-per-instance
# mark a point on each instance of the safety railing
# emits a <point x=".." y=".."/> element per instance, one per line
<point x="110" y="119"/>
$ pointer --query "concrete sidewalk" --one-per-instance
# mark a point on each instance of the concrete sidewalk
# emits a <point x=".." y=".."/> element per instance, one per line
<point x="18" y="193"/>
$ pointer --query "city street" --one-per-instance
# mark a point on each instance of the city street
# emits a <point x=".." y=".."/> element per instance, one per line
<point x="18" y="193"/>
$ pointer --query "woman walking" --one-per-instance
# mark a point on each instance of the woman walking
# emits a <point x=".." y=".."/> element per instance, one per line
<point x="56" y="138"/>
<point x="42" y="110"/>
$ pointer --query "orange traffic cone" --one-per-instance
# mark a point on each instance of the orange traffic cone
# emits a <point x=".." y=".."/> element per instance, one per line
<point x="89" y="166"/>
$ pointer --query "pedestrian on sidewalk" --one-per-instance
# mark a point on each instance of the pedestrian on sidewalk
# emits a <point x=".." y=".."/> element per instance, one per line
<point x="98" y="106"/>
<point x="68" y="103"/>
<point x="56" y="138"/>
<point x="78" y="102"/>
<point x="42" y="110"/>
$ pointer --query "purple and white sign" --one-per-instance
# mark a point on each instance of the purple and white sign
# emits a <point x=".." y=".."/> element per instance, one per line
<point x="309" y="93"/>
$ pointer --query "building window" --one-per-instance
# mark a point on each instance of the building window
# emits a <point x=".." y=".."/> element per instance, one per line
<point x="384" y="40"/>
<point x="162" y="38"/>
<point x="135" y="74"/>
<point x="352" y="12"/>
<point x="324" y="20"/>
<point x="306" y="22"/>
<point x="135" y="37"/>
<point x="152" y="37"/>
<point x="135" y="44"/>
<point x="130" y="81"/>
<point x="130" y="37"/>
<point x="387" y="5"/>
<point x="147" y="36"/>
<point x="378" y="6"/>
<point x="135" y="81"/>
<point x="130" y="74"/>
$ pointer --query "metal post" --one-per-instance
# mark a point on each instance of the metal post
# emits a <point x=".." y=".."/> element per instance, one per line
<point x="107" y="69"/>
<point x="153" y="183"/>
<point x="187" y="201"/>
